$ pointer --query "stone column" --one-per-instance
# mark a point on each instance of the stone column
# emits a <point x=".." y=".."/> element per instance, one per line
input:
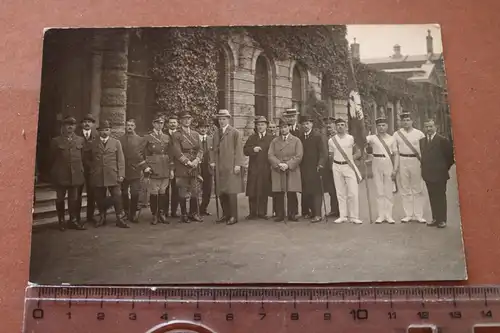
<point x="114" y="79"/>
<point x="95" y="80"/>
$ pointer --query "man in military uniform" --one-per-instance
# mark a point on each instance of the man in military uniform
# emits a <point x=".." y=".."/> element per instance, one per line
<point x="259" y="170"/>
<point x="159" y="168"/>
<point x="67" y="172"/>
<point x="285" y="154"/>
<point x="172" y="192"/>
<point x="207" y="142"/>
<point x="311" y="166"/>
<point x="407" y="163"/>
<point x="89" y="135"/>
<point x="108" y="171"/>
<point x="133" y="150"/>
<point x="188" y="156"/>
<point x="328" y="181"/>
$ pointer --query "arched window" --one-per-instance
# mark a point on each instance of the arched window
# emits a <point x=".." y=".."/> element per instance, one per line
<point x="221" y="80"/>
<point x="297" y="90"/>
<point x="261" y="87"/>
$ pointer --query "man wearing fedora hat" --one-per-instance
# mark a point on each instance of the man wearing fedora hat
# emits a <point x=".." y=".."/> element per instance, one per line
<point x="285" y="154"/>
<point x="227" y="159"/>
<point x="67" y="175"/>
<point x="188" y="155"/>
<point x="207" y="142"/>
<point x="291" y="116"/>
<point x="311" y="167"/>
<point x="89" y="134"/>
<point x="259" y="170"/>
<point x="159" y="168"/>
<point x="107" y="173"/>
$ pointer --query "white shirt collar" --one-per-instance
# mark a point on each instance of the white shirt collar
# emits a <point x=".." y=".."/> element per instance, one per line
<point x="203" y="136"/>
<point x="285" y="137"/>
<point x="157" y="132"/>
<point x="432" y="136"/>
<point x="105" y="140"/>
<point x="308" y="133"/>
<point x="225" y="128"/>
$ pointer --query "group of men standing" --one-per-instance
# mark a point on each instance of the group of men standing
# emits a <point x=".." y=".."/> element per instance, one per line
<point x="180" y="165"/>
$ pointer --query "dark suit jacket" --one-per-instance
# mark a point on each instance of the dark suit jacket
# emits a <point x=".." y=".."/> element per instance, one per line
<point x="315" y="154"/>
<point x="437" y="158"/>
<point x="87" y="147"/>
<point x="133" y="147"/>
<point x="108" y="163"/>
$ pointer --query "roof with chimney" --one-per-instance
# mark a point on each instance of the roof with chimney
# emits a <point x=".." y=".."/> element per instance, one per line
<point x="417" y="68"/>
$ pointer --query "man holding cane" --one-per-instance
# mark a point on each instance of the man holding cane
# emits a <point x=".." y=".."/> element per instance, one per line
<point x="285" y="155"/>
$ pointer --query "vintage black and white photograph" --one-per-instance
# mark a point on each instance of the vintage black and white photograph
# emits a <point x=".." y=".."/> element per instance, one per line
<point x="245" y="154"/>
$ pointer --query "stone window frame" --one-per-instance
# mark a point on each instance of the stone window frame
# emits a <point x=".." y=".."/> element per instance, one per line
<point x="229" y="57"/>
<point x="304" y="81"/>
<point x="271" y="84"/>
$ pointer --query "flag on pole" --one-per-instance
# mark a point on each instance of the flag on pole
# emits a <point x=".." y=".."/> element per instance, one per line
<point x="355" y="109"/>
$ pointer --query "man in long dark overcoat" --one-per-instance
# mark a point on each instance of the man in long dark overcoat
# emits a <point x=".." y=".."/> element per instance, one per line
<point x="207" y="142"/>
<point x="89" y="135"/>
<point x="67" y="176"/>
<point x="172" y="192"/>
<point x="227" y="159"/>
<point x="285" y="154"/>
<point x="311" y="166"/>
<point x="259" y="170"/>
<point x="328" y="181"/>
<point x="107" y="173"/>
<point x="133" y="150"/>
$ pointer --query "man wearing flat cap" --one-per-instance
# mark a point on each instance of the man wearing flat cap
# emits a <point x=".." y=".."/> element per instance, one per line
<point x="382" y="145"/>
<point x="89" y="135"/>
<point x="66" y="152"/>
<point x="158" y="168"/>
<point x="107" y="173"/>
<point x="226" y="159"/>
<point x="188" y="155"/>
<point x="312" y="164"/>
<point x="259" y="170"/>
<point x="407" y="163"/>
<point x="285" y="154"/>
<point x="133" y="150"/>
<point x="207" y="142"/>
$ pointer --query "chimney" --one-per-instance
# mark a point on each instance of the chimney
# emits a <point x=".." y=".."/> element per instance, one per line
<point x="397" y="51"/>
<point x="430" y="47"/>
<point x="355" y="50"/>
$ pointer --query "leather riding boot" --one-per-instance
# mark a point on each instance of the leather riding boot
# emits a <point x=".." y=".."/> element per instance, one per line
<point x="153" y="204"/>
<point x="60" y="215"/>
<point x="120" y="223"/>
<point x="162" y="216"/>
<point x="73" y="217"/>
<point x="134" y="201"/>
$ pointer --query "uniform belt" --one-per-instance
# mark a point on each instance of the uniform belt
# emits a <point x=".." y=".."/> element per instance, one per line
<point x="408" y="155"/>
<point x="341" y="163"/>
<point x="379" y="155"/>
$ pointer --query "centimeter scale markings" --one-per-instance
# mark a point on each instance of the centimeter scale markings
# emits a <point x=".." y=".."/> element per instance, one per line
<point x="263" y="309"/>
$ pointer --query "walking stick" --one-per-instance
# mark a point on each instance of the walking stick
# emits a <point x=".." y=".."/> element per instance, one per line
<point x="285" y="200"/>
<point x="323" y="198"/>
<point x="368" y="191"/>
<point x="216" y="196"/>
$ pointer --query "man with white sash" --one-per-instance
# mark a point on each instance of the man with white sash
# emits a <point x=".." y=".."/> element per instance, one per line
<point x="345" y="173"/>
<point x="408" y="164"/>
<point x="382" y="145"/>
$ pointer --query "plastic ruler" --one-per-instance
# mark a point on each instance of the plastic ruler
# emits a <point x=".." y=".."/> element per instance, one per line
<point x="423" y="309"/>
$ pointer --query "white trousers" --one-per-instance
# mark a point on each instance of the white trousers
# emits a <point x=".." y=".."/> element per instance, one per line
<point x="411" y="188"/>
<point x="346" y="185"/>
<point x="382" y="169"/>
